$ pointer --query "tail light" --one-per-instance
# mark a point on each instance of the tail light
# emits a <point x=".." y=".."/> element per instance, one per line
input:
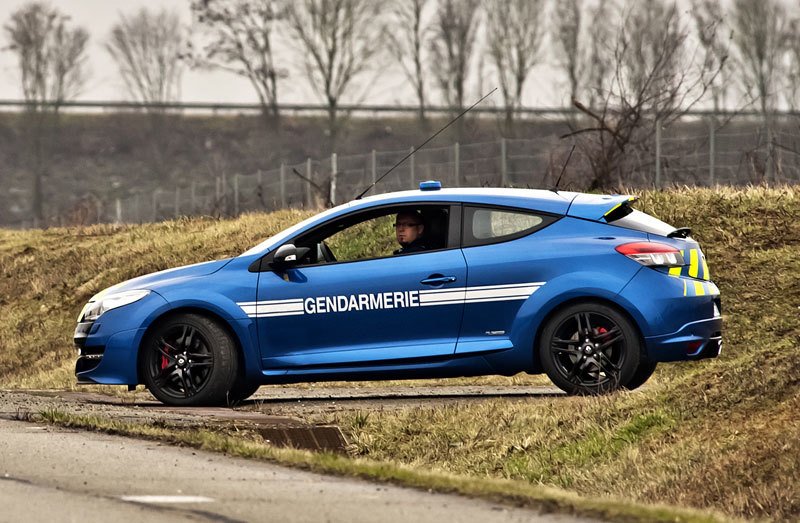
<point x="652" y="254"/>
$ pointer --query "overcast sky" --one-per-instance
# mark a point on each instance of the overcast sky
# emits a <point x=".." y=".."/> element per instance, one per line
<point x="98" y="16"/>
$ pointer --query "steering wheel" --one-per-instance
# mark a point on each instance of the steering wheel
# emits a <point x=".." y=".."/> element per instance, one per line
<point x="327" y="253"/>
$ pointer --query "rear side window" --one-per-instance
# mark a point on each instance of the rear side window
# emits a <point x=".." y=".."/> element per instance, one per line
<point x="484" y="225"/>
<point x="639" y="221"/>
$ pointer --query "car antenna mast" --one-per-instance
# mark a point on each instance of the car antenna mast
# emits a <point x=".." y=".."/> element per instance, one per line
<point x="564" y="168"/>
<point x="423" y="144"/>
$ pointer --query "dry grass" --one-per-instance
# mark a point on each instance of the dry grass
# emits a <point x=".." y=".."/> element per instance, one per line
<point x="719" y="434"/>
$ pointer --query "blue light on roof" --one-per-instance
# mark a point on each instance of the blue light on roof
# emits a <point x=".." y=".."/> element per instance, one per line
<point x="430" y="185"/>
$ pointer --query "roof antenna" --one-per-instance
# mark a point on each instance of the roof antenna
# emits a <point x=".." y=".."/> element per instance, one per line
<point x="555" y="189"/>
<point x="423" y="144"/>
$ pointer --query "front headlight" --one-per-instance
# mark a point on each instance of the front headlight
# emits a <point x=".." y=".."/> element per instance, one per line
<point x="95" y="309"/>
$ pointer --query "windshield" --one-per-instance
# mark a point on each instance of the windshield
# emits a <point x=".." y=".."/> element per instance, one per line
<point x="285" y="234"/>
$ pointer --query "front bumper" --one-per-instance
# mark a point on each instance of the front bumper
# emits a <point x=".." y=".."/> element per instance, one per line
<point x="108" y="347"/>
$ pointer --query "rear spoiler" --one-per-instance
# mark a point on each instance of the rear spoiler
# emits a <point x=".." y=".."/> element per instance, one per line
<point x="598" y="207"/>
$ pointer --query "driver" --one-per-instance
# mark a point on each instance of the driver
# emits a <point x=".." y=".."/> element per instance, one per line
<point x="409" y="229"/>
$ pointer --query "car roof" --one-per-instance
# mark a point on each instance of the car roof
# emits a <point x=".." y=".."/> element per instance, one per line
<point x="554" y="202"/>
<point x="546" y="201"/>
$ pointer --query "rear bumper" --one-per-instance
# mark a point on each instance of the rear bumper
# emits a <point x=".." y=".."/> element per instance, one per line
<point x="694" y="341"/>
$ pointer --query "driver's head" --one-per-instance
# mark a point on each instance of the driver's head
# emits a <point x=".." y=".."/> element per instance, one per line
<point x="408" y="227"/>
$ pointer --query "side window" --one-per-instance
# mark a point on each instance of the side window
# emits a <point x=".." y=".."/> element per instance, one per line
<point x="484" y="225"/>
<point x="379" y="233"/>
<point x="369" y="239"/>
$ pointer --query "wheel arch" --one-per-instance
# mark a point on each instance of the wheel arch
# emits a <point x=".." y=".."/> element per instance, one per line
<point x="537" y="366"/>
<point x="221" y="320"/>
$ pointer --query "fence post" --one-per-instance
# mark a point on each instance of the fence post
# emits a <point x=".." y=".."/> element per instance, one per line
<point x="374" y="166"/>
<point x="503" y="163"/>
<point x="136" y="208"/>
<point x="309" y="197"/>
<point x="283" y="185"/>
<point x="411" y="166"/>
<point x="177" y="201"/>
<point x="334" y="175"/>
<point x="457" y="162"/>
<point x="217" y="194"/>
<point x="658" y="155"/>
<point x="155" y="204"/>
<point x="236" y="194"/>
<point x="712" y="133"/>
<point x="771" y="173"/>
<point x="118" y="205"/>
<point x="225" y="191"/>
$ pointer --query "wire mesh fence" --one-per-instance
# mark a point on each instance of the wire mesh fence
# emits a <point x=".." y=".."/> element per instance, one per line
<point x="699" y="151"/>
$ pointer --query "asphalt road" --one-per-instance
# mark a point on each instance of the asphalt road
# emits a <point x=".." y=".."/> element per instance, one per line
<point x="53" y="474"/>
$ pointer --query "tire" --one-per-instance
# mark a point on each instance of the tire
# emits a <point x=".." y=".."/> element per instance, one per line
<point x="241" y="391"/>
<point x="590" y="348"/>
<point x="189" y="360"/>
<point x="642" y="374"/>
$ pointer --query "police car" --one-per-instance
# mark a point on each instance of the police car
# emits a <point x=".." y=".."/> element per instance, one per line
<point x="581" y="287"/>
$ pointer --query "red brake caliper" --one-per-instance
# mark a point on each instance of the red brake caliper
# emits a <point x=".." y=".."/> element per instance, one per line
<point x="164" y="360"/>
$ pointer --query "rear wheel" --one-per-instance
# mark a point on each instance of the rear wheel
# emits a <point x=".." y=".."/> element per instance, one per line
<point x="590" y="348"/>
<point x="642" y="374"/>
<point x="189" y="360"/>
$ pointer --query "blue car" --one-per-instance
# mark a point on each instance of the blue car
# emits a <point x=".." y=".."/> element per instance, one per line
<point x="428" y="283"/>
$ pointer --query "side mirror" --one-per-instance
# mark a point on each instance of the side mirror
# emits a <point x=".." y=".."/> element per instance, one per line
<point x="285" y="256"/>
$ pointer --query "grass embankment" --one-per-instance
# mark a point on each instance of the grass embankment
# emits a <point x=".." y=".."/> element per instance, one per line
<point x="721" y="434"/>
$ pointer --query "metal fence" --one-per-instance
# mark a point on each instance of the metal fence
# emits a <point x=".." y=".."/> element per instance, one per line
<point x="701" y="153"/>
<point x="697" y="151"/>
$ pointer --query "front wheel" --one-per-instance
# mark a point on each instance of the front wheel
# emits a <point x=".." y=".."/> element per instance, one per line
<point x="590" y="348"/>
<point x="189" y="360"/>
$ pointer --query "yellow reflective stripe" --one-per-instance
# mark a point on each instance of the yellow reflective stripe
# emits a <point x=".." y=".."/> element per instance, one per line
<point x="706" y="275"/>
<point x="684" y="287"/>
<point x="698" y="289"/>
<point x="612" y="209"/>
<point x="675" y="271"/>
<point x="693" y="266"/>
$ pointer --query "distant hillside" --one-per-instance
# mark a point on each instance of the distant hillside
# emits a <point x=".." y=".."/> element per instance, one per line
<point x="721" y="434"/>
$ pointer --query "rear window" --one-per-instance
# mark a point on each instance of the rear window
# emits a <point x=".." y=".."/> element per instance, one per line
<point x="640" y="221"/>
<point x="484" y="225"/>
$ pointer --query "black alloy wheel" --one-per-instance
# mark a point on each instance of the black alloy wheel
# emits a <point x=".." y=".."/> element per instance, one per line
<point x="590" y="348"/>
<point x="189" y="360"/>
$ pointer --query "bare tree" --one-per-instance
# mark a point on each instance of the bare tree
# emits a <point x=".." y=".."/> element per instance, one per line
<point x="514" y="33"/>
<point x="338" y="40"/>
<point x="406" y="39"/>
<point x="760" y="39"/>
<point x="147" y="48"/>
<point x="793" y="47"/>
<point x="451" y="47"/>
<point x="708" y="18"/>
<point x="656" y="80"/>
<point x="52" y="65"/>
<point x="580" y="33"/>
<point x="241" y="39"/>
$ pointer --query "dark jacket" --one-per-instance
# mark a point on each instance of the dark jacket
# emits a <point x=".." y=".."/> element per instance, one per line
<point x="417" y="245"/>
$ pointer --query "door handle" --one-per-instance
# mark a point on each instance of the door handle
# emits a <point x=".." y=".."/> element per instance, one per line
<point x="438" y="279"/>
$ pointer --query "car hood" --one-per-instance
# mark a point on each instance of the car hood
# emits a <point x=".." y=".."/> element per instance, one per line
<point x="155" y="280"/>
